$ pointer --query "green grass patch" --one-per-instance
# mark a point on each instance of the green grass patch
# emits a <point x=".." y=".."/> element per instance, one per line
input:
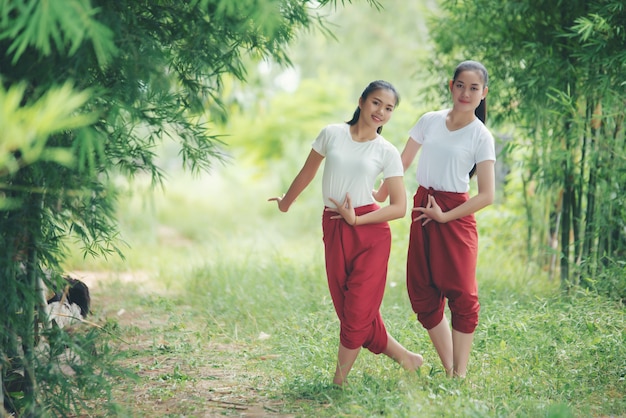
<point x="235" y="317"/>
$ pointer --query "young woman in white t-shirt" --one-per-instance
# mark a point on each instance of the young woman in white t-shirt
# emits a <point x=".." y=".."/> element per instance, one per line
<point x="443" y="244"/>
<point x="356" y="234"/>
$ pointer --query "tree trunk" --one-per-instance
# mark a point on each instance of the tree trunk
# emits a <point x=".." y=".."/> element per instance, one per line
<point x="28" y="330"/>
<point x="565" y="232"/>
<point x="590" y="234"/>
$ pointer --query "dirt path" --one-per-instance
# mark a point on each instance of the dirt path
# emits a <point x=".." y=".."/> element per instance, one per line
<point x="178" y="374"/>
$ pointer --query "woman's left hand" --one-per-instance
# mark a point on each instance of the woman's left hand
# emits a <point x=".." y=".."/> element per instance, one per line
<point x="432" y="212"/>
<point x="345" y="210"/>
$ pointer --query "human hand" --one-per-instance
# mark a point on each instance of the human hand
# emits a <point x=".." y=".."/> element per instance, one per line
<point x="279" y="200"/>
<point x="345" y="210"/>
<point x="432" y="212"/>
<point x="382" y="193"/>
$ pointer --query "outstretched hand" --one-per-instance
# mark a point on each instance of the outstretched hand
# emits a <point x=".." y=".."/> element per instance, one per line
<point x="345" y="210"/>
<point x="279" y="200"/>
<point x="432" y="212"/>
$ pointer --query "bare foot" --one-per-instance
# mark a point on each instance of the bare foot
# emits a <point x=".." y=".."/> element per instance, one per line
<point x="407" y="359"/>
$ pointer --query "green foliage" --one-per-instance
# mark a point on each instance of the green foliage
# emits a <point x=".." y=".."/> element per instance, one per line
<point x="73" y="367"/>
<point x="287" y="121"/>
<point x="27" y="128"/>
<point x="54" y="26"/>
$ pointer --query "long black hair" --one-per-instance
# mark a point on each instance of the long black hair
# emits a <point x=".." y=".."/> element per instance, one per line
<point x="481" y="110"/>
<point x="372" y="87"/>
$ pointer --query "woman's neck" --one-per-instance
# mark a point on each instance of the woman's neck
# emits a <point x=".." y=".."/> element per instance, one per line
<point x="362" y="133"/>
<point x="458" y="120"/>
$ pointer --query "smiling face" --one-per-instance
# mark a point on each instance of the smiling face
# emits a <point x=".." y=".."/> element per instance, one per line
<point x="468" y="89"/>
<point x="377" y="107"/>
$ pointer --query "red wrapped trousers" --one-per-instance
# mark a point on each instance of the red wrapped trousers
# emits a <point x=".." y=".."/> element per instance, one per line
<point x="441" y="264"/>
<point x="356" y="268"/>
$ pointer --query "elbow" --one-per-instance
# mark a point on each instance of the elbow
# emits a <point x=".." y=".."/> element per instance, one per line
<point x="489" y="199"/>
<point x="399" y="211"/>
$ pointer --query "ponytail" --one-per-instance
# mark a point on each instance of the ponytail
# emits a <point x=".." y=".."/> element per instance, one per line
<point x="355" y="117"/>
<point x="481" y="113"/>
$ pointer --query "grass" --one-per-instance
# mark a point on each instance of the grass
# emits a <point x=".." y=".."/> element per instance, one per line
<point x="233" y="317"/>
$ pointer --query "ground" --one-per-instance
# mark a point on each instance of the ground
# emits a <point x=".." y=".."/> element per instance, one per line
<point x="177" y="377"/>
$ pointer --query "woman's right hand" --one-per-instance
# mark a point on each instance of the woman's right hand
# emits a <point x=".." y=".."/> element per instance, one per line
<point x="382" y="193"/>
<point x="345" y="210"/>
<point x="279" y="200"/>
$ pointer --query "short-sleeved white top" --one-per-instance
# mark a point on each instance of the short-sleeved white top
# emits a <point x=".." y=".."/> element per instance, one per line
<point x="351" y="166"/>
<point x="446" y="156"/>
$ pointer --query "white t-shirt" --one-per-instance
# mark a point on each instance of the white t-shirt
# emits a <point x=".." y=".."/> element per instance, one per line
<point x="352" y="167"/>
<point x="448" y="156"/>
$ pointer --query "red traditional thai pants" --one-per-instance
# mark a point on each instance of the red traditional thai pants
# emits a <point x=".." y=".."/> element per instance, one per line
<point x="441" y="263"/>
<point x="356" y="268"/>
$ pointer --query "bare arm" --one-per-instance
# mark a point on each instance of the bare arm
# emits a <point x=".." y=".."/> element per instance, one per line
<point x="396" y="207"/>
<point x="485" y="174"/>
<point x="409" y="152"/>
<point x="302" y="180"/>
<point x="408" y="155"/>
